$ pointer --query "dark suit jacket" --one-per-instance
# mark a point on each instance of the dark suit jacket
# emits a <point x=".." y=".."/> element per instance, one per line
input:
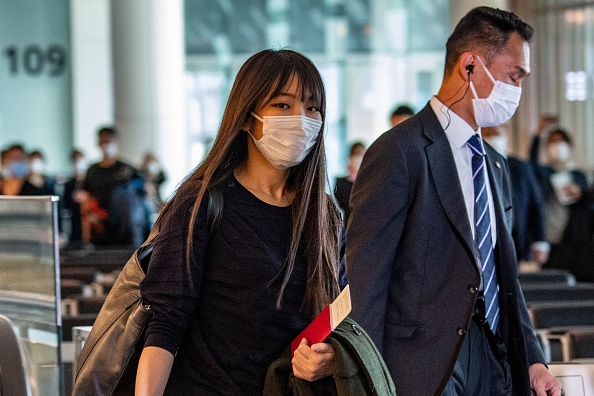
<point x="411" y="258"/>
<point x="529" y="207"/>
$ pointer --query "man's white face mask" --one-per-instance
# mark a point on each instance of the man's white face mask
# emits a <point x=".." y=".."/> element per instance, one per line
<point x="499" y="106"/>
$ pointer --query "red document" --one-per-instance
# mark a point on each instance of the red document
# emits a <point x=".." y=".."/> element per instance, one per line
<point x="327" y="320"/>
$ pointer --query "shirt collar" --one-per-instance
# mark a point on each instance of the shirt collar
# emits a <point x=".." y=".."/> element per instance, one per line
<point x="457" y="130"/>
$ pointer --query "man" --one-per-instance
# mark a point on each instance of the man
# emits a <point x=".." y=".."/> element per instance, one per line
<point x="415" y="243"/>
<point x="113" y="211"/>
<point x="401" y="113"/>
<point x="15" y="169"/>
<point x="528" y="229"/>
<point x="344" y="185"/>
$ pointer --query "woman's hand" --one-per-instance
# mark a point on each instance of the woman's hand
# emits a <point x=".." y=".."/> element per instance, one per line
<point x="313" y="363"/>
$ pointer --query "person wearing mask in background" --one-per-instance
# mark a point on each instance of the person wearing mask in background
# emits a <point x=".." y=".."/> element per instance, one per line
<point x="153" y="175"/>
<point x="529" y="228"/>
<point x="113" y="211"/>
<point x="74" y="195"/>
<point x="431" y="262"/>
<point x="401" y="113"/>
<point x="37" y="182"/>
<point x="15" y="169"/>
<point x="344" y="185"/>
<point x="227" y="302"/>
<point x="567" y="205"/>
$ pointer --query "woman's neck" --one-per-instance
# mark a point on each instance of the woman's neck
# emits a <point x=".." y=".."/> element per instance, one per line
<point x="265" y="181"/>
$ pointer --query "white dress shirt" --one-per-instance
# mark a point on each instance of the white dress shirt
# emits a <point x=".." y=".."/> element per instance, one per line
<point x="458" y="132"/>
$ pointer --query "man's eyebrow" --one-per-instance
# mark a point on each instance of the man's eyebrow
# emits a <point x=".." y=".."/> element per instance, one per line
<point x="523" y="71"/>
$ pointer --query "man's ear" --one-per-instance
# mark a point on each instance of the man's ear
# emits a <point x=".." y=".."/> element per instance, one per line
<point x="466" y="65"/>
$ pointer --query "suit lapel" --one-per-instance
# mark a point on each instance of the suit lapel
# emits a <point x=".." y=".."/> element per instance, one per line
<point x="445" y="176"/>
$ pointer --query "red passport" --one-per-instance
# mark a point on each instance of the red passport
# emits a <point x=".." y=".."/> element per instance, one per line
<point x="326" y="321"/>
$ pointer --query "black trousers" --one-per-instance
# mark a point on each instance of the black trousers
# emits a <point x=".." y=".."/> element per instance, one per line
<point x="481" y="368"/>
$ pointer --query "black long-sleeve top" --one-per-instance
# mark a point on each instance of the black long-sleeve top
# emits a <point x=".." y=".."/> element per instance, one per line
<point x="226" y="330"/>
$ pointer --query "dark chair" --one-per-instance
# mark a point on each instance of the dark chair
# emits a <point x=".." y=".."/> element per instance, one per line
<point x="91" y="304"/>
<point x="578" y="344"/>
<point x="13" y="368"/>
<point x="547" y="276"/>
<point x="70" y="287"/>
<point x="534" y="292"/>
<point x="84" y="274"/>
<point x="68" y="322"/>
<point x="562" y="313"/>
<point x="551" y="341"/>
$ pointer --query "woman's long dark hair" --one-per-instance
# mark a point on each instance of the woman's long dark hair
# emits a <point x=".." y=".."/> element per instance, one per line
<point x="315" y="220"/>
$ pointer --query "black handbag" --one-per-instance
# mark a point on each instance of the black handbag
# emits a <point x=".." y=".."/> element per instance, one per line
<point x="109" y="358"/>
<point x="108" y="361"/>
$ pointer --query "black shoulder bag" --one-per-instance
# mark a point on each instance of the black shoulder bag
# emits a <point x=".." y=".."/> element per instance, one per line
<point x="108" y="362"/>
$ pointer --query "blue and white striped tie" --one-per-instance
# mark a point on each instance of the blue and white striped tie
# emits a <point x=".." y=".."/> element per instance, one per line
<point x="482" y="231"/>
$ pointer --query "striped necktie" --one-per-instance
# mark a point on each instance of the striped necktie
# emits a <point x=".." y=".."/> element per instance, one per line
<point x="482" y="229"/>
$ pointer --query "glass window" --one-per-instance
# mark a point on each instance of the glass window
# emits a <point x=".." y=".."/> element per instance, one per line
<point x="372" y="55"/>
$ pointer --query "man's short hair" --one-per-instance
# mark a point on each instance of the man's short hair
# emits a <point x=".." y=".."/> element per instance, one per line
<point x="486" y="30"/>
<point x="109" y="131"/>
<point x="356" y="147"/>
<point x="403" y="110"/>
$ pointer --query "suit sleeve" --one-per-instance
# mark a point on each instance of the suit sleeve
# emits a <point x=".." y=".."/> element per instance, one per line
<point x="533" y="348"/>
<point x="378" y="210"/>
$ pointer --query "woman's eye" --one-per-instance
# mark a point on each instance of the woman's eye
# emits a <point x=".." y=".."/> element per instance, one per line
<point x="313" y="108"/>
<point x="282" y="105"/>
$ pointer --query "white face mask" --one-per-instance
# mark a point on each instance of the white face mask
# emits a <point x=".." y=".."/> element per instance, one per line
<point x="499" y="106"/>
<point x="110" y="150"/>
<point x="286" y="140"/>
<point x="559" y="151"/>
<point x="37" y="166"/>
<point x="499" y="143"/>
<point x="153" y="167"/>
<point x="80" y="166"/>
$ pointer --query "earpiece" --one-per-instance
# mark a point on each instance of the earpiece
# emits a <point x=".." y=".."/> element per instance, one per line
<point x="469" y="69"/>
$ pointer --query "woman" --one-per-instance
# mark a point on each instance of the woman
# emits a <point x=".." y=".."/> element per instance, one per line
<point x="227" y="303"/>
<point x="568" y="206"/>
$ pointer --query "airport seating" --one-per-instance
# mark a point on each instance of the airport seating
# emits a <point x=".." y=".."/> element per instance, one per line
<point x="562" y="313"/>
<point x="547" y="276"/>
<point x="535" y="292"/>
<point x="578" y="343"/>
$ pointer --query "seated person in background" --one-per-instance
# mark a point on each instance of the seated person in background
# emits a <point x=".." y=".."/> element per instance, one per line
<point x="73" y="195"/>
<point x="401" y="113"/>
<point x="344" y="185"/>
<point x="37" y="183"/>
<point x="153" y="175"/>
<point x="567" y="207"/>
<point x="15" y="169"/>
<point x="529" y="228"/>
<point x="113" y="212"/>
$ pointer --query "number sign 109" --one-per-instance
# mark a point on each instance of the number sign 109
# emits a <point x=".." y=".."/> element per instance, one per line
<point x="34" y="60"/>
